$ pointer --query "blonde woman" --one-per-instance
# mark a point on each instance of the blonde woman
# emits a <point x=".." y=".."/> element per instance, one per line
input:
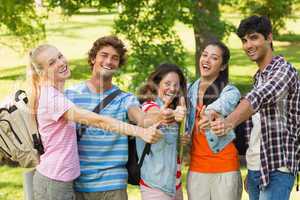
<point x="56" y="117"/>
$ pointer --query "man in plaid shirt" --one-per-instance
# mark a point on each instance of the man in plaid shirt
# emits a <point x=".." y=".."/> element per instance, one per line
<point x="272" y="111"/>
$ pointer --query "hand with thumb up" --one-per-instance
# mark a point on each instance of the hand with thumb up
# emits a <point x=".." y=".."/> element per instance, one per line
<point x="180" y="111"/>
<point x="167" y="114"/>
<point x="151" y="134"/>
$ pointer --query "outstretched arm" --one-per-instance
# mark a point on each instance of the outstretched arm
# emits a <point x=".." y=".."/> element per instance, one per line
<point x="243" y="112"/>
<point x="151" y="117"/>
<point x="76" y="114"/>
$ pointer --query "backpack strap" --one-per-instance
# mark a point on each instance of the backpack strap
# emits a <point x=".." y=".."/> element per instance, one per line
<point x="146" y="150"/>
<point x="106" y="101"/>
<point x="297" y="183"/>
<point x="21" y="96"/>
<point x="82" y="127"/>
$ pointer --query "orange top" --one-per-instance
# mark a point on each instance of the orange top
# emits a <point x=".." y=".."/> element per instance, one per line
<point x="204" y="160"/>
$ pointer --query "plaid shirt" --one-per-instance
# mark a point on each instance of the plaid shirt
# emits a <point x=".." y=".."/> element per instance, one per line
<point x="277" y="99"/>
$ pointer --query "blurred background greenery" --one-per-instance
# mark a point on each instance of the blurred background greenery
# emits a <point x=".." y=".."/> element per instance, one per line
<point x="154" y="31"/>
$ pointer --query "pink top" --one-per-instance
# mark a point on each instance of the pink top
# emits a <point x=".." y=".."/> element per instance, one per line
<point x="60" y="160"/>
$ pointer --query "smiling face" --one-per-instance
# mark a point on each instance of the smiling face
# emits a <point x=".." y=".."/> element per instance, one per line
<point x="169" y="87"/>
<point x="106" y="62"/>
<point x="210" y="62"/>
<point x="54" y="65"/>
<point x="256" y="46"/>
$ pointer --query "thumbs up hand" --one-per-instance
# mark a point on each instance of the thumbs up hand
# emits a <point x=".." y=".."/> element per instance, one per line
<point x="203" y="120"/>
<point x="212" y="115"/>
<point x="180" y="111"/>
<point x="152" y="134"/>
<point x="207" y="117"/>
<point x="167" y="114"/>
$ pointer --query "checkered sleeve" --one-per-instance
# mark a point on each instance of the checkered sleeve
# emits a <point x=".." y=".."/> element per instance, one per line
<point x="272" y="89"/>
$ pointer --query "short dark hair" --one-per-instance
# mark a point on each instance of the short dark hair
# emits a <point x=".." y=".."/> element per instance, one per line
<point x="225" y="57"/>
<point x="113" y="41"/>
<point x="258" y="24"/>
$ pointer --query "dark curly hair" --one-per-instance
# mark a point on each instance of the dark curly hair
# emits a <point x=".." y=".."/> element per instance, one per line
<point x="113" y="41"/>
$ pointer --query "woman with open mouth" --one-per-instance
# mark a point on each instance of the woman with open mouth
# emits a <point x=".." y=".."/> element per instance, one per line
<point x="56" y="117"/>
<point x="165" y="91"/>
<point x="214" y="171"/>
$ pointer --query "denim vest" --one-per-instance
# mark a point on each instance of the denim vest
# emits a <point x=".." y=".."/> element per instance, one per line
<point x="159" y="167"/>
<point x="224" y="105"/>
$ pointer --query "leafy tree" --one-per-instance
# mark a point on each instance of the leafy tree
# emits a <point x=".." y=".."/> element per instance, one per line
<point x="205" y="18"/>
<point x="149" y="27"/>
<point x="147" y="24"/>
<point x="20" y="21"/>
<point x="277" y="11"/>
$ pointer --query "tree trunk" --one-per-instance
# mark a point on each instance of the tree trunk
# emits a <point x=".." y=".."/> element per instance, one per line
<point x="200" y="38"/>
<point x="204" y="21"/>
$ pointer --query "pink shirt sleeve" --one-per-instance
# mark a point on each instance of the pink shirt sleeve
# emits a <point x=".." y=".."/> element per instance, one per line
<point x="54" y="103"/>
<point x="60" y="160"/>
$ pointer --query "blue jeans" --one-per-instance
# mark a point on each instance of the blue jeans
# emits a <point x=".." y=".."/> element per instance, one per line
<point x="279" y="187"/>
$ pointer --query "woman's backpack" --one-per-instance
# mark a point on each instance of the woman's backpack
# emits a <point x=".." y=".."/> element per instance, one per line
<point x="19" y="137"/>
<point x="134" y="165"/>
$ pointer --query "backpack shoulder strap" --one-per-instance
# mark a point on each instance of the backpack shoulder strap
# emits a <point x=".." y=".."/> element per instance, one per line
<point x="106" y="101"/>
<point x="146" y="150"/>
<point x="97" y="109"/>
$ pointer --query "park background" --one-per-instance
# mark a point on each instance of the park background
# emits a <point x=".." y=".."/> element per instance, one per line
<point x="154" y="31"/>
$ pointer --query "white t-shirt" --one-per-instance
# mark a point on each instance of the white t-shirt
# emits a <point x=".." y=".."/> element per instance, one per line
<point x="253" y="151"/>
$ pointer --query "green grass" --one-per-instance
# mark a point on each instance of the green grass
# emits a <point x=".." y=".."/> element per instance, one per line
<point x="11" y="187"/>
<point x="74" y="37"/>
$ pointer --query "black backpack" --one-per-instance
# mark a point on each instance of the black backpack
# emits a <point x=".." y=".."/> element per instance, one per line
<point x="240" y="138"/>
<point x="133" y="164"/>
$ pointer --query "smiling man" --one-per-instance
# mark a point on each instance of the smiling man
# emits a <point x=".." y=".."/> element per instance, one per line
<point x="272" y="111"/>
<point x="103" y="155"/>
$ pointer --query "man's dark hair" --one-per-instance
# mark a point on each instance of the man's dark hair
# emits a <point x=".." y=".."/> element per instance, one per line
<point x="252" y="24"/>
<point x="113" y="41"/>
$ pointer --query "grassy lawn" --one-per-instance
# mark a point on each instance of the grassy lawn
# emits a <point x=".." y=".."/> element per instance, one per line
<point x="74" y="37"/>
<point x="11" y="187"/>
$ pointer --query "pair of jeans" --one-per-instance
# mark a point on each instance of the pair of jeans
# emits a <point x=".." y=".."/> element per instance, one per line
<point x="279" y="187"/>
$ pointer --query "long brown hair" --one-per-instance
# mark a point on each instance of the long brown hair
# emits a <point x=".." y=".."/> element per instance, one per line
<point x="214" y="90"/>
<point x="149" y="90"/>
